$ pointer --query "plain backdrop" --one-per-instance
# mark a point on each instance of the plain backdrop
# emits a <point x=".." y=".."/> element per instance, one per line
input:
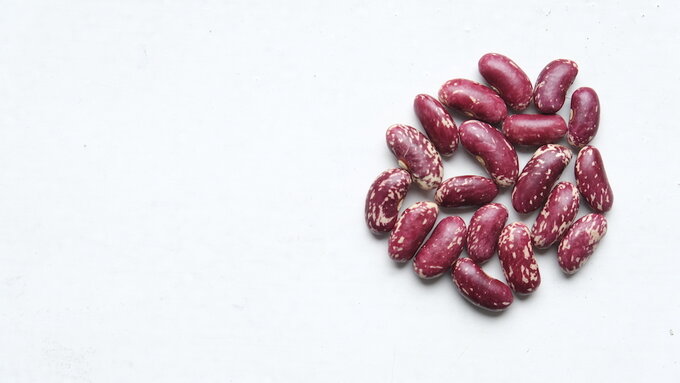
<point x="182" y="187"/>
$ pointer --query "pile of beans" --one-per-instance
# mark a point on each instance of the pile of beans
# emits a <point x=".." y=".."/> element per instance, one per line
<point x="419" y="158"/>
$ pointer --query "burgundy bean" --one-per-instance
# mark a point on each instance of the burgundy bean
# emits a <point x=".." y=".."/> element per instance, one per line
<point x="465" y="191"/>
<point x="517" y="258"/>
<point x="479" y="288"/>
<point x="591" y="179"/>
<point x="580" y="242"/>
<point x="384" y="199"/>
<point x="438" y="124"/>
<point x="416" y="154"/>
<point x="534" y="129"/>
<point x="411" y="229"/>
<point x="485" y="227"/>
<point x="473" y="99"/>
<point x="556" y="216"/>
<point x="492" y="150"/>
<point x="506" y="77"/>
<point x="539" y="176"/>
<point x="584" y="118"/>
<point x="441" y="249"/>
<point x="552" y="84"/>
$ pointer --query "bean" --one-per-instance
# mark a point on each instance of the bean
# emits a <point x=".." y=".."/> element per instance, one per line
<point x="584" y="117"/>
<point x="479" y="288"/>
<point x="534" y="129"/>
<point x="483" y="232"/>
<point x="506" y="78"/>
<point x="416" y="154"/>
<point x="552" y="84"/>
<point x="517" y="258"/>
<point x="473" y="99"/>
<point x="411" y="229"/>
<point x="465" y="191"/>
<point x="441" y="249"/>
<point x="539" y="176"/>
<point x="580" y="242"/>
<point x="384" y="199"/>
<point x="556" y="216"/>
<point x="438" y="124"/>
<point x="492" y="151"/>
<point x="591" y="179"/>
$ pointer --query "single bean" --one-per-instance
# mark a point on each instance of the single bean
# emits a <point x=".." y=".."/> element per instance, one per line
<point x="517" y="258"/>
<point x="465" y="191"/>
<point x="438" y="124"/>
<point x="534" y="129"/>
<point x="483" y="232"/>
<point x="416" y="154"/>
<point x="479" y="288"/>
<point x="473" y="99"/>
<point x="580" y="242"/>
<point x="539" y="176"/>
<point x="384" y="199"/>
<point x="442" y="249"/>
<point x="556" y="216"/>
<point x="584" y="117"/>
<point x="506" y="77"/>
<point x="412" y="227"/>
<point x="591" y="179"/>
<point x="492" y="151"/>
<point x="552" y="84"/>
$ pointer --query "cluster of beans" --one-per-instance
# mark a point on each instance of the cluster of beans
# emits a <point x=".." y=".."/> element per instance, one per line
<point x="419" y="159"/>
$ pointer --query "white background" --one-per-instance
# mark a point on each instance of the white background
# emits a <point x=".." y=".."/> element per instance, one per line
<point x="182" y="187"/>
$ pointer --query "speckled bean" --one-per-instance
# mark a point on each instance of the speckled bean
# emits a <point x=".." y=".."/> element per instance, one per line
<point x="492" y="151"/>
<point x="485" y="227"/>
<point x="438" y="124"/>
<point x="479" y="288"/>
<point x="412" y="227"/>
<point x="539" y="176"/>
<point x="552" y="84"/>
<point x="517" y="258"/>
<point x="506" y="77"/>
<point x="465" y="191"/>
<point x="441" y="249"/>
<point x="584" y="118"/>
<point x="534" y="129"/>
<point x="384" y="199"/>
<point x="556" y="216"/>
<point x="591" y="179"/>
<point x="580" y="242"/>
<point x="416" y="154"/>
<point x="473" y="99"/>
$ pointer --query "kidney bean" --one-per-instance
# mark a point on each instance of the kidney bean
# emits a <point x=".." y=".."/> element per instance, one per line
<point x="384" y="199"/>
<point x="438" y="124"/>
<point x="504" y="76"/>
<point x="580" y="242"/>
<point x="485" y="228"/>
<point x="584" y="118"/>
<point x="517" y="258"/>
<point x="473" y="99"/>
<point x="552" y="84"/>
<point x="556" y="216"/>
<point x="411" y="229"/>
<point x="416" y="154"/>
<point x="492" y="150"/>
<point x="441" y="249"/>
<point x="534" y="129"/>
<point x="479" y="288"/>
<point x="539" y="176"/>
<point x="465" y="191"/>
<point x="591" y="179"/>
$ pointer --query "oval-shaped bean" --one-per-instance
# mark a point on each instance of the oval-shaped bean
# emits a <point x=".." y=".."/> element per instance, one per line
<point x="539" y="176"/>
<point x="552" y="84"/>
<point x="534" y="129"/>
<point x="465" y="191"/>
<point x="591" y="179"/>
<point x="441" y="249"/>
<point x="384" y="199"/>
<point x="506" y="77"/>
<point x="517" y="258"/>
<point x="438" y="124"/>
<point x="584" y="118"/>
<point x="479" y="288"/>
<point x="412" y="227"/>
<point x="485" y="228"/>
<point x="474" y="99"/>
<point x="580" y="242"/>
<point x="415" y="153"/>
<point x="492" y="151"/>
<point x="556" y="216"/>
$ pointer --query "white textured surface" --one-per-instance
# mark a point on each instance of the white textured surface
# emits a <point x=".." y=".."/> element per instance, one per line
<point x="182" y="187"/>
